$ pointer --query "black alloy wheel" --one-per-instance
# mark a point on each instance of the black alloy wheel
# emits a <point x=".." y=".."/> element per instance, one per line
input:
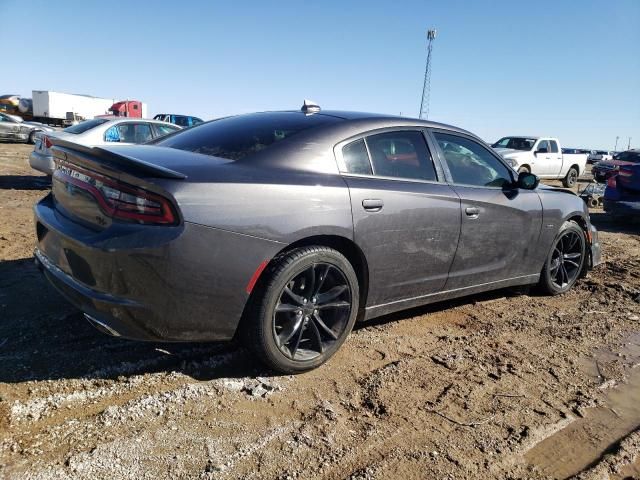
<point x="304" y="309"/>
<point x="313" y="312"/>
<point x="566" y="260"/>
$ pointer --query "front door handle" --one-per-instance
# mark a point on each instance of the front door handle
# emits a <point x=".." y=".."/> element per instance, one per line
<point x="372" y="204"/>
<point x="472" y="212"/>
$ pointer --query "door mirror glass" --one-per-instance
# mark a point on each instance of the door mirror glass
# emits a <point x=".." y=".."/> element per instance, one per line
<point x="527" y="181"/>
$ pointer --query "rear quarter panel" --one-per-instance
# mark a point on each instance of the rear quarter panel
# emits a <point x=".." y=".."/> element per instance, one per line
<point x="277" y="205"/>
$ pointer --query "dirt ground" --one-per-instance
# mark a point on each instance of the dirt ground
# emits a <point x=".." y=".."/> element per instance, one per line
<point x="500" y="385"/>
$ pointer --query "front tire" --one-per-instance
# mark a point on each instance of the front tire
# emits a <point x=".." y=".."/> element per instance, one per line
<point x="571" y="179"/>
<point x="565" y="261"/>
<point x="305" y="310"/>
<point x="32" y="138"/>
<point x="524" y="170"/>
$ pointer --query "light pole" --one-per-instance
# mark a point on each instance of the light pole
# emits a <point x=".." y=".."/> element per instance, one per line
<point x="629" y="144"/>
<point x="615" y="149"/>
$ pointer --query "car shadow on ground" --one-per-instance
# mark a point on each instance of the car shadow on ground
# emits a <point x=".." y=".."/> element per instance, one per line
<point x="606" y="223"/>
<point x="43" y="337"/>
<point x="25" y="182"/>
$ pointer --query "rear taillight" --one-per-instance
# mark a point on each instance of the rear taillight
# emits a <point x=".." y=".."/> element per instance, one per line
<point x="625" y="172"/>
<point x="47" y="142"/>
<point x="611" y="181"/>
<point x="117" y="199"/>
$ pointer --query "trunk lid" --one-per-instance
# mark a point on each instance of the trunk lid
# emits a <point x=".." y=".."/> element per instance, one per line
<point x="99" y="186"/>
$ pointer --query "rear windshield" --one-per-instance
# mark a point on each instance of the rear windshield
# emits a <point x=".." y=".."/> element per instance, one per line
<point x="86" y="125"/>
<point x="238" y="137"/>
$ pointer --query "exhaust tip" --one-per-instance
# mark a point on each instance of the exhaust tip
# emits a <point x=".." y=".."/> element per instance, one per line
<point x="103" y="327"/>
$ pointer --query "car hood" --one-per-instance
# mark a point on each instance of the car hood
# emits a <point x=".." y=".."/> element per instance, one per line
<point x="548" y="188"/>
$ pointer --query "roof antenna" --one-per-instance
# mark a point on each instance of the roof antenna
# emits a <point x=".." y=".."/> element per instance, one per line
<point x="309" y="107"/>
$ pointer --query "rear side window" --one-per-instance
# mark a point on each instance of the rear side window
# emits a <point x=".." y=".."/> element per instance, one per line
<point x="162" y="130"/>
<point x="235" y="138"/>
<point x="402" y="154"/>
<point x="554" y="146"/>
<point x="129" y="133"/>
<point x="356" y="158"/>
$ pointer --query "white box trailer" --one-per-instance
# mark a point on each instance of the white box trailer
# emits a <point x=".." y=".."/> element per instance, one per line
<point x="64" y="108"/>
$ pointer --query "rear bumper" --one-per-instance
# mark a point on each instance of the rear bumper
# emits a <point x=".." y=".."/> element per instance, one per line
<point x="42" y="163"/>
<point x="183" y="283"/>
<point x="620" y="207"/>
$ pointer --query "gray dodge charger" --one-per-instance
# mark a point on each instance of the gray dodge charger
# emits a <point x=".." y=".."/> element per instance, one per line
<point x="284" y="228"/>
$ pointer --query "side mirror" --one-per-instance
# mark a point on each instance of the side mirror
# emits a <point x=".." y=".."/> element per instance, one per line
<point x="527" y="181"/>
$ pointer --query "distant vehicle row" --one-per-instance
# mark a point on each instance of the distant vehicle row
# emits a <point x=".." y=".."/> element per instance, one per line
<point x="65" y="109"/>
<point x="622" y="195"/>
<point x="543" y="157"/>
<point x="96" y="132"/>
<point x="15" y="129"/>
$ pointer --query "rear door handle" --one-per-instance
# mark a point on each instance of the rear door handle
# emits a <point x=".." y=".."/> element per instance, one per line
<point x="472" y="212"/>
<point x="372" y="204"/>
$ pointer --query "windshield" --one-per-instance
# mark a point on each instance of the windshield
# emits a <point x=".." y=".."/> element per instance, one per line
<point x="515" y="143"/>
<point x="237" y="137"/>
<point x="633" y="157"/>
<point x="86" y="125"/>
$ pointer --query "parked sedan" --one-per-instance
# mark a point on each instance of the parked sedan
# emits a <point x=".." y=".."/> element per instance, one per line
<point x="283" y="228"/>
<point x="603" y="170"/>
<point x="16" y="129"/>
<point x="622" y="195"/>
<point x="99" y="131"/>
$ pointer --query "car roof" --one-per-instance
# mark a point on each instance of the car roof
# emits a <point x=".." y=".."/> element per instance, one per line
<point x="368" y="120"/>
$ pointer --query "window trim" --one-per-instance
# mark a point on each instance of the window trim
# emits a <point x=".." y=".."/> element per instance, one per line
<point x="445" y="165"/>
<point x="337" y="151"/>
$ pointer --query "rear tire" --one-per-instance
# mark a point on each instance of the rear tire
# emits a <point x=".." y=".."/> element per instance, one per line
<point x="571" y="179"/>
<point x="32" y="138"/>
<point x="565" y="261"/>
<point x="304" y="311"/>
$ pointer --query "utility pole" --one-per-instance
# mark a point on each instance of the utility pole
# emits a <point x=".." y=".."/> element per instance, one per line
<point x="426" y="87"/>
<point x="615" y="149"/>
<point x="629" y="144"/>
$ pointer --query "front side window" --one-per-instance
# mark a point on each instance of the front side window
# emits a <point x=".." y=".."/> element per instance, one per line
<point x="543" y="146"/>
<point x="402" y="154"/>
<point x="356" y="158"/>
<point x="472" y="164"/>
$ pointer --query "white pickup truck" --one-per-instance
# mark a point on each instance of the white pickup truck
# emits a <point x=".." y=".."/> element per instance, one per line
<point x="543" y="157"/>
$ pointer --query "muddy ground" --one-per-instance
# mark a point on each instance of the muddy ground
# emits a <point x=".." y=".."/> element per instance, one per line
<point x="493" y="386"/>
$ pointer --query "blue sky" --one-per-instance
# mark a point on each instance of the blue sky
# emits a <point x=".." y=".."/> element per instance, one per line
<point x="569" y="69"/>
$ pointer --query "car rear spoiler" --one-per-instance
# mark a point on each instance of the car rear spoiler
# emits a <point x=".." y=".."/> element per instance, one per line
<point x="116" y="161"/>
